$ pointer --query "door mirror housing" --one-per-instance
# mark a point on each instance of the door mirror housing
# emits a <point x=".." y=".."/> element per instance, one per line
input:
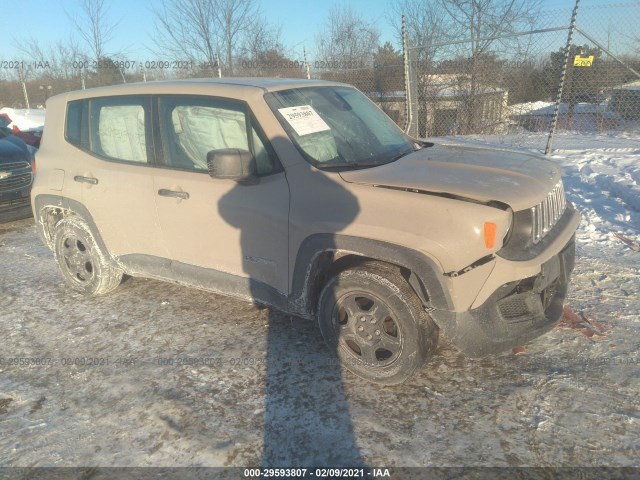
<point x="232" y="164"/>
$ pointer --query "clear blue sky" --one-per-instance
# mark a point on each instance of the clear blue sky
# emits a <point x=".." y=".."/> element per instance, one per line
<point x="301" y="20"/>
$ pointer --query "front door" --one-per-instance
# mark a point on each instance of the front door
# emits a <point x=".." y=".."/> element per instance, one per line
<point x="233" y="230"/>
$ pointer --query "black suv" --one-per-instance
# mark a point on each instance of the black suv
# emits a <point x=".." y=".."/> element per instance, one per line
<point x="16" y="176"/>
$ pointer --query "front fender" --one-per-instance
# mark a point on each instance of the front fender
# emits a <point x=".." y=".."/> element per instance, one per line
<point x="319" y="251"/>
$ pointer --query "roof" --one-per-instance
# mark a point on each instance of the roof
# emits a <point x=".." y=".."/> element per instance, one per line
<point x="265" y="83"/>
<point x="202" y="86"/>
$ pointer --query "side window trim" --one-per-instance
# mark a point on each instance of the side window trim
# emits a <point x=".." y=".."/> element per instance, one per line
<point x="83" y="140"/>
<point x="253" y="125"/>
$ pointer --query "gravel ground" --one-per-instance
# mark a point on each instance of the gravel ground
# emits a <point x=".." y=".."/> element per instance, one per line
<point x="157" y="374"/>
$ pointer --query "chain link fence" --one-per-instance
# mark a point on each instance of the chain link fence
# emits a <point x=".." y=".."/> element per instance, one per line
<point x="511" y="89"/>
<point x="382" y="80"/>
<point x="520" y="89"/>
<point x="552" y="74"/>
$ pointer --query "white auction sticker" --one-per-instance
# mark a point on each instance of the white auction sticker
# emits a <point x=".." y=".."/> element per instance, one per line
<point x="304" y="119"/>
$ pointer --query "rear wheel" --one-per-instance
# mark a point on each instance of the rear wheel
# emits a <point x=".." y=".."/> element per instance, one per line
<point x="84" y="267"/>
<point x="375" y="323"/>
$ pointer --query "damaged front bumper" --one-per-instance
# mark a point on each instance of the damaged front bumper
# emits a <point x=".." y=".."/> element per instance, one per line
<point x="515" y="313"/>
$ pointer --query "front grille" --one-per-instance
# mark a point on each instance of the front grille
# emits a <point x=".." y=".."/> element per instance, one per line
<point x="14" y="176"/>
<point x="547" y="213"/>
<point x="15" y="203"/>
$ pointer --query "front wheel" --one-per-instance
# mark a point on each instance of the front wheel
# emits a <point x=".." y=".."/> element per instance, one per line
<point x="376" y="324"/>
<point x="84" y="267"/>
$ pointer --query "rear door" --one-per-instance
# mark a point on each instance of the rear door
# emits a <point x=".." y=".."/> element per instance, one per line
<point x="231" y="229"/>
<point x="115" y="171"/>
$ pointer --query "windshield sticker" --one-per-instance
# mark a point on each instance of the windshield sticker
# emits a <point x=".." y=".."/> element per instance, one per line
<point x="304" y="119"/>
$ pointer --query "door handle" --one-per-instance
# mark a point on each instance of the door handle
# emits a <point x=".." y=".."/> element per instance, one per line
<point x="163" y="192"/>
<point x="81" y="179"/>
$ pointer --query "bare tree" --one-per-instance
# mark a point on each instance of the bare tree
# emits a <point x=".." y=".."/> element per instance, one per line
<point x="203" y="29"/>
<point x="58" y="63"/>
<point x="187" y="30"/>
<point x="483" y="23"/>
<point x="94" y="26"/>
<point x="234" y="18"/>
<point x="261" y="38"/>
<point x="347" y="37"/>
<point x="426" y="27"/>
<point x="263" y="54"/>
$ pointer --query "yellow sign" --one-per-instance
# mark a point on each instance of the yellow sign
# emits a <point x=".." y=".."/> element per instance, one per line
<point x="583" y="61"/>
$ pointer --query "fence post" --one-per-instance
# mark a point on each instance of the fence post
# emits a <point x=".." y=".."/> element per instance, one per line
<point x="410" y="84"/>
<point x="23" y="81"/>
<point x="218" y="65"/>
<point x="306" y="64"/>
<point x="26" y="96"/>
<point x="563" y="74"/>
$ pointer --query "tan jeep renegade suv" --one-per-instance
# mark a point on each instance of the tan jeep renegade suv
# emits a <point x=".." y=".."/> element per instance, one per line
<point x="305" y="196"/>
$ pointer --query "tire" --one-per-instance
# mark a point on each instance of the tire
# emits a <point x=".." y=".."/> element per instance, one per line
<point x="373" y="320"/>
<point x="84" y="266"/>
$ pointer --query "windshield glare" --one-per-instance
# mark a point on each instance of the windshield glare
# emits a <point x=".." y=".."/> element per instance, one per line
<point x="338" y="127"/>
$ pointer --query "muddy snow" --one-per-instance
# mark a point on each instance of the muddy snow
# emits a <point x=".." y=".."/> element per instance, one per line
<point x="157" y="374"/>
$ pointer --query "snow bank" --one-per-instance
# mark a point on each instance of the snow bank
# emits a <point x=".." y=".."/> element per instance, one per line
<point x="24" y="119"/>
<point x="546" y="109"/>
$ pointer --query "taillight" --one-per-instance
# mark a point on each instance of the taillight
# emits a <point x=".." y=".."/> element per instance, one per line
<point x="33" y="166"/>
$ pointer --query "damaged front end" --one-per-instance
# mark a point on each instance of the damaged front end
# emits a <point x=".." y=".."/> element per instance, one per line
<point x="515" y="313"/>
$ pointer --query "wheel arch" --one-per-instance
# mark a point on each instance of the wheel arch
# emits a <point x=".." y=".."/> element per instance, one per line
<point x="50" y="209"/>
<point x="322" y="256"/>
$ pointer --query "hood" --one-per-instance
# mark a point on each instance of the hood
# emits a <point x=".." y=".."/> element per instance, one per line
<point x="518" y="179"/>
<point x="13" y="149"/>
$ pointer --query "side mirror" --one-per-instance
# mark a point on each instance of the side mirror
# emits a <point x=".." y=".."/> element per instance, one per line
<point x="232" y="164"/>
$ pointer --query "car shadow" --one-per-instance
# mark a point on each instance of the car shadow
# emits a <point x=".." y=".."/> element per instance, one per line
<point x="307" y="420"/>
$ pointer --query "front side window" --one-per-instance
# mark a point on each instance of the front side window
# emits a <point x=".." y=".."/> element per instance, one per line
<point x="338" y="127"/>
<point x="118" y="128"/>
<point x="191" y="127"/>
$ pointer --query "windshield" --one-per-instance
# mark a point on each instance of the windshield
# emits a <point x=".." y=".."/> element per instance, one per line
<point x="338" y="127"/>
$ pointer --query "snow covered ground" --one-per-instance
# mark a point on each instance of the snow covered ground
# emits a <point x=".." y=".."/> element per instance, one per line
<point x="170" y="376"/>
<point x="540" y="108"/>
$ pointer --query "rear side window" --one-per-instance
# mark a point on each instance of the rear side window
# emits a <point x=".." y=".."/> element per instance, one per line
<point x="76" y="126"/>
<point x="113" y="127"/>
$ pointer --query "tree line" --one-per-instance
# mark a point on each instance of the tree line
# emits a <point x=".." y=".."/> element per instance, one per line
<point x="210" y="38"/>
